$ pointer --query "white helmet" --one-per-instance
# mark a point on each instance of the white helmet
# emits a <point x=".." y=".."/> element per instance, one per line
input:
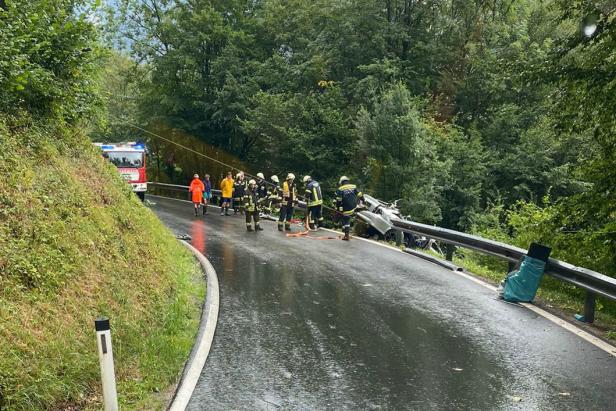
<point x="307" y="178"/>
<point x="274" y="178"/>
<point x="252" y="182"/>
<point x="196" y="175"/>
<point x="343" y="179"/>
<point x="238" y="175"/>
<point x="290" y="176"/>
<point x="261" y="176"/>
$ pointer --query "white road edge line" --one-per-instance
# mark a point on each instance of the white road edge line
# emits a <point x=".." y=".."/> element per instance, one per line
<point x="597" y="342"/>
<point x="207" y="328"/>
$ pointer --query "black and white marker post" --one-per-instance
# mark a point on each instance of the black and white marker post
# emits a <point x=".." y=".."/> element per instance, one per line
<point x="105" y="354"/>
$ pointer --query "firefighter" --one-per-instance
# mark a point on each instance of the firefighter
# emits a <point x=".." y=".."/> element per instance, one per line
<point x="273" y="195"/>
<point x="261" y="186"/>
<point x="252" y="206"/>
<point x="196" y="189"/>
<point x="347" y="196"/>
<point x="239" y="189"/>
<point x="289" y="200"/>
<point x="314" y="203"/>
<point x="226" y="188"/>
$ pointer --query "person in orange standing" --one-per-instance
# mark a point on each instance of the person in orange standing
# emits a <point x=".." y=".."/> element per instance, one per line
<point x="226" y="187"/>
<point x="197" y="188"/>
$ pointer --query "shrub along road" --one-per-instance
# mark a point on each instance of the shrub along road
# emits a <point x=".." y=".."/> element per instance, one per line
<point x="316" y="324"/>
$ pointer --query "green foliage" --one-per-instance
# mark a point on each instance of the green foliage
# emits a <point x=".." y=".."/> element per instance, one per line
<point x="452" y="106"/>
<point x="48" y="59"/>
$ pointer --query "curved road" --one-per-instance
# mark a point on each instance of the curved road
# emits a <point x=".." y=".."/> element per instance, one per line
<point x="324" y="324"/>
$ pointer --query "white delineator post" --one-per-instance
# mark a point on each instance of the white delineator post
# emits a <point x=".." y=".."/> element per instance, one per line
<point x="105" y="355"/>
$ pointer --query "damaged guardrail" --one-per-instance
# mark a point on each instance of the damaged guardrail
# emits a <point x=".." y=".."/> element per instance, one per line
<point x="592" y="282"/>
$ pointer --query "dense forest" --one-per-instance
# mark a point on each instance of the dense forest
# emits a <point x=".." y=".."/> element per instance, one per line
<point x="493" y="116"/>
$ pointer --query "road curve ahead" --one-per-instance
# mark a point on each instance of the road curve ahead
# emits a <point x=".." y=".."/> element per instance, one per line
<point x="316" y="324"/>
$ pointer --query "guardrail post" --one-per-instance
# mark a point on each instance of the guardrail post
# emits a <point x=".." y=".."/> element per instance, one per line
<point x="399" y="237"/>
<point x="589" y="307"/>
<point x="449" y="250"/>
<point x="105" y="355"/>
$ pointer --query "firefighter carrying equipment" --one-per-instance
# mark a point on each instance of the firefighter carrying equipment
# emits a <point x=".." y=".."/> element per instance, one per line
<point x="314" y="196"/>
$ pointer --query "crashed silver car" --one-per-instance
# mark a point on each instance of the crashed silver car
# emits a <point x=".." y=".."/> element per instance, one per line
<point x="378" y="214"/>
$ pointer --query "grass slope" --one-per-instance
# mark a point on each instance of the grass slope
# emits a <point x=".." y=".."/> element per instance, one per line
<point x="76" y="243"/>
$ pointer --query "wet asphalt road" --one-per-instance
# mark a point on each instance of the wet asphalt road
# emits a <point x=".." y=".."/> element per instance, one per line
<point x="324" y="324"/>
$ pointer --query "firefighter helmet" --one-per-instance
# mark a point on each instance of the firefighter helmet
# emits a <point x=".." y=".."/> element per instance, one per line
<point x="274" y="178"/>
<point x="307" y="178"/>
<point x="253" y="182"/>
<point x="343" y="179"/>
<point x="196" y="175"/>
<point x="290" y="176"/>
<point x="261" y="176"/>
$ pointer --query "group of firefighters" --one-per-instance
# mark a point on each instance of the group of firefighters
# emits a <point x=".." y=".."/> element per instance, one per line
<point x="258" y="196"/>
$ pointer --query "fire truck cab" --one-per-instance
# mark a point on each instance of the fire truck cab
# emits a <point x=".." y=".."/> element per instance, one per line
<point x="129" y="158"/>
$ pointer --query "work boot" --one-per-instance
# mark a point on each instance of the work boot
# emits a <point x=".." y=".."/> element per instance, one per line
<point x="258" y="227"/>
<point x="279" y="226"/>
<point x="249" y="227"/>
<point x="346" y="237"/>
<point x="227" y="212"/>
<point x="287" y="226"/>
<point x="204" y="210"/>
<point x="196" y="211"/>
<point x="312" y="227"/>
<point x="222" y="211"/>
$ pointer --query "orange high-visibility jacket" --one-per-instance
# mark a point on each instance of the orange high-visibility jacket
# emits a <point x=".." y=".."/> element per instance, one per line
<point x="197" y="188"/>
<point x="227" y="187"/>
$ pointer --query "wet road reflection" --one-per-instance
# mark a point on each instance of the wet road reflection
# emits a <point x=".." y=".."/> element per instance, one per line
<point x="327" y="325"/>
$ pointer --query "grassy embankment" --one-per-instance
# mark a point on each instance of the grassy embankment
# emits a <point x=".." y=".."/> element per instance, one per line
<point x="76" y="243"/>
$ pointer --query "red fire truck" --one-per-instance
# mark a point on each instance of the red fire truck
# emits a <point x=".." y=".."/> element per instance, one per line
<point x="129" y="158"/>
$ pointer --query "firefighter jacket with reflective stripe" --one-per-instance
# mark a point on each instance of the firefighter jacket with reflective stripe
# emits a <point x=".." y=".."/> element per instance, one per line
<point x="313" y="194"/>
<point x="346" y="198"/>
<point x="274" y="194"/>
<point x="262" y="188"/>
<point x="289" y="194"/>
<point x="251" y="200"/>
<point x="239" y="188"/>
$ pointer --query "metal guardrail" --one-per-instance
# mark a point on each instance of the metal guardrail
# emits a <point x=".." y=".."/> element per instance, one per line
<point x="593" y="282"/>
